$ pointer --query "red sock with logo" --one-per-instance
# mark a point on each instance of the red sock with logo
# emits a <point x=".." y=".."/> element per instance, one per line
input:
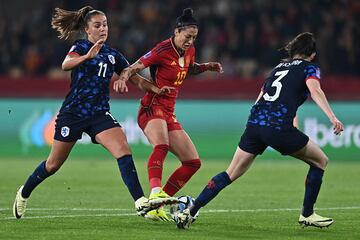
<point x="155" y="164"/>
<point x="181" y="175"/>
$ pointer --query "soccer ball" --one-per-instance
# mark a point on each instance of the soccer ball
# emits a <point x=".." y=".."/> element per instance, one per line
<point x="185" y="202"/>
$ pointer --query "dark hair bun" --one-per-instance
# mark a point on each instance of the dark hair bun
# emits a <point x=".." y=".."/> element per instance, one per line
<point x="186" y="19"/>
<point x="188" y="12"/>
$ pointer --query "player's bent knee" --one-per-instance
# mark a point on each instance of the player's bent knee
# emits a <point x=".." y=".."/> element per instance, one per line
<point x="322" y="162"/>
<point x="162" y="147"/>
<point x="124" y="147"/>
<point x="195" y="163"/>
<point x="325" y="161"/>
<point x="120" y="149"/>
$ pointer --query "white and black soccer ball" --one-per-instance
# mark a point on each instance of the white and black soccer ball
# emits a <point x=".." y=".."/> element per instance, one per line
<point x="185" y="202"/>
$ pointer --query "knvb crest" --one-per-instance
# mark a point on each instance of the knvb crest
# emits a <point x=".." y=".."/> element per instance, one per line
<point x="65" y="131"/>
<point x="111" y="59"/>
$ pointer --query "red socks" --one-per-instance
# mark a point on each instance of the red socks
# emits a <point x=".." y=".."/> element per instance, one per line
<point x="178" y="179"/>
<point x="181" y="175"/>
<point x="155" y="164"/>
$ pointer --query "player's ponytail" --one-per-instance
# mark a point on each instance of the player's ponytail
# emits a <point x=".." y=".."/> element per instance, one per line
<point x="68" y="23"/>
<point x="186" y="19"/>
<point x="302" y="44"/>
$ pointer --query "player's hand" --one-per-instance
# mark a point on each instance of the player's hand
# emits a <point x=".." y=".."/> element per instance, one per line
<point x="215" y="67"/>
<point x="94" y="50"/>
<point x="165" y="90"/>
<point x="338" y="127"/>
<point x="120" y="86"/>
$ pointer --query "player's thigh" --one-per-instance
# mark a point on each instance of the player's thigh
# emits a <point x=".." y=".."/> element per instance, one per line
<point x="312" y="154"/>
<point x="240" y="163"/>
<point x="115" y="141"/>
<point x="58" y="154"/>
<point x="156" y="131"/>
<point x="287" y="141"/>
<point x="182" y="146"/>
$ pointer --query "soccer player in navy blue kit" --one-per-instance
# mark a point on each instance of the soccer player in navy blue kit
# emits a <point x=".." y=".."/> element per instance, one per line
<point x="86" y="107"/>
<point x="271" y="124"/>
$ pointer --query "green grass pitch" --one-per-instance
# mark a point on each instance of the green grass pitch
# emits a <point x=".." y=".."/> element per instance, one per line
<point x="86" y="199"/>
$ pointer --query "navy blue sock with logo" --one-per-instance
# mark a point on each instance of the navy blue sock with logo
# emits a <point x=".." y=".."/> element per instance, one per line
<point x="130" y="177"/>
<point x="312" y="188"/>
<point x="39" y="175"/>
<point x="214" y="186"/>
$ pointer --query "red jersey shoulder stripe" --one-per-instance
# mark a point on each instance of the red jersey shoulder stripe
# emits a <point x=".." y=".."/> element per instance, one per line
<point x="162" y="46"/>
<point x="163" y="49"/>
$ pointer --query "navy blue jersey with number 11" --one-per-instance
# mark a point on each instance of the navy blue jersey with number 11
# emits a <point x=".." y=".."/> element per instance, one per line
<point x="284" y="91"/>
<point x="89" y="93"/>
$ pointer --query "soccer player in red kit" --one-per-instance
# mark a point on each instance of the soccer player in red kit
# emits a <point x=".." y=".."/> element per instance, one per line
<point x="170" y="62"/>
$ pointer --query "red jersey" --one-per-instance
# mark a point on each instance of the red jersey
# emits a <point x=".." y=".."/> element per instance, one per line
<point x="167" y="68"/>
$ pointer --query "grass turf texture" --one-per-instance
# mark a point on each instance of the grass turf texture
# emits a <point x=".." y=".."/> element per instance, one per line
<point x="86" y="199"/>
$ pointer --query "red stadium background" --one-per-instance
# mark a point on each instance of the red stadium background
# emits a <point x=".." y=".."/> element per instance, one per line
<point x="230" y="88"/>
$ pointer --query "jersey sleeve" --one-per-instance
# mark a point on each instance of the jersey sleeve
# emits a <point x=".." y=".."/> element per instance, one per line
<point x="78" y="48"/>
<point x="120" y="63"/>
<point x="151" y="58"/>
<point x="312" y="71"/>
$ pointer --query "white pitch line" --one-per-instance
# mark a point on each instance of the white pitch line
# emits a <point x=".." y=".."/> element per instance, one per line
<point x="131" y="210"/>
<point x="72" y="209"/>
<point x="206" y="211"/>
<point x="274" y="209"/>
<point x="74" y="216"/>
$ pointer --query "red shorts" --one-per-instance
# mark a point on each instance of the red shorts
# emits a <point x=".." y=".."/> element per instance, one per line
<point x="158" y="112"/>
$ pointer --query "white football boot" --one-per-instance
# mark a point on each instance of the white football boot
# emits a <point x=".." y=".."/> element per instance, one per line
<point x="142" y="206"/>
<point x="184" y="219"/>
<point x="19" y="206"/>
<point x="315" y="221"/>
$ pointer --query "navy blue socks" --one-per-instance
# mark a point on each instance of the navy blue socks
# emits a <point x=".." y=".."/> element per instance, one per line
<point x="312" y="188"/>
<point x="130" y="177"/>
<point x="39" y="175"/>
<point x="215" y="185"/>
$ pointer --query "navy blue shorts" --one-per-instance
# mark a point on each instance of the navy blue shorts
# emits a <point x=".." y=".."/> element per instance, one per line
<point x="69" y="128"/>
<point x="256" y="139"/>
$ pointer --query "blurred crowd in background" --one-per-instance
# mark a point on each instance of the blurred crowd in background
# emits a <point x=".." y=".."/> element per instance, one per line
<point x="243" y="35"/>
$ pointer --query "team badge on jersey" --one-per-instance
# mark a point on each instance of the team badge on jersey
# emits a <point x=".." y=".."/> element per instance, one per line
<point x="111" y="59"/>
<point x="181" y="61"/>
<point x="65" y="131"/>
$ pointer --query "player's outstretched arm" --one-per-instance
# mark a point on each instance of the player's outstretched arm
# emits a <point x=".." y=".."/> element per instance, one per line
<point x="120" y="84"/>
<point x="319" y="97"/>
<point x="198" y="68"/>
<point x="71" y="60"/>
<point x="145" y="85"/>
